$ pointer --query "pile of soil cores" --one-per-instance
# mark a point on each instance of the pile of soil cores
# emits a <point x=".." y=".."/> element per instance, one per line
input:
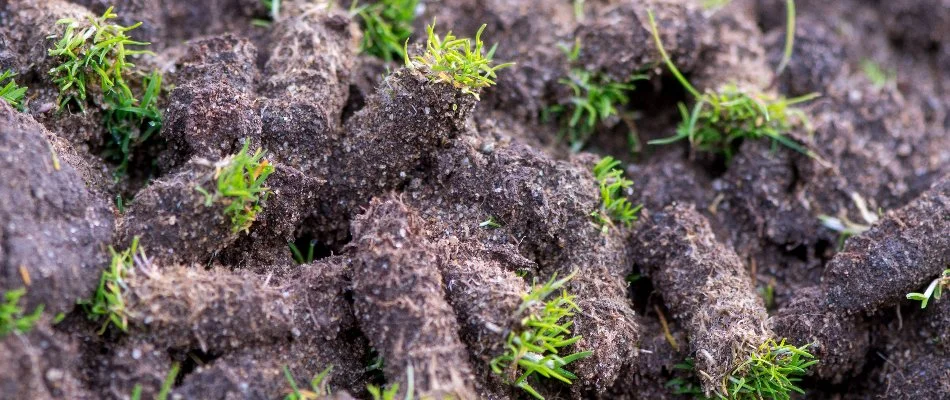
<point x="390" y="179"/>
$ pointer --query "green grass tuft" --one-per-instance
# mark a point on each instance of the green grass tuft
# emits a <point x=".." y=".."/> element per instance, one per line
<point x="387" y="393"/>
<point x="132" y="122"/>
<point x="11" y="92"/>
<point x="934" y="289"/>
<point x="387" y="25"/>
<point x="532" y="348"/>
<point x="319" y="385"/>
<point x="614" y="205"/>
<point x="109" y="300"/>
<point x="721" y="119"/>
<point x="12" y="318"/>
<point x="240" y="185"/>
<point x="771" y="372"/>
<point x="595" y="99"/>
<point x="94" y="66"/>
<point x="457" y="61"/>
<point x="299" y="256"/>
<point x="93" y="53"/>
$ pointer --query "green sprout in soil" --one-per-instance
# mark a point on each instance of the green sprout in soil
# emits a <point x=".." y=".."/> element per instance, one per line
<point x="878" y="76"/>
<point x="934" y="289"/>
<point x="299" y="257"/>
<point x="595" y="99"/>
<point x="456" y="61"/>
<point x="490" y="223"/>
<point x="721" y="119"/>
<point x="166" y="385"/>
<point x="11" y="92"/>
<point x="387" y="25"/>
<point x="109" y="300"/>
<point x="789" y="28"/>
<point x="12" y="317"/>
<point x="387" y="393"/>
<point x="132" y="122"/>
<point x="683" y="386"/>
<point x="532" y="350"/>
<point x="319" y="385"/>
<point x="847" y="228"/>
<point x="273" y="7"/>
<point x="240" y="185"/>
<point x="169" y="381"/>
<point x="789" y="36"/>
<point x="579" y="9"/>
<point x="273" y="13"/>
<point x="390" y="392"/>
<point x="768" y="294"/>
<point x="771" y="372"/>
<point x="94" y="65"/>
<point x="614" y="206"/>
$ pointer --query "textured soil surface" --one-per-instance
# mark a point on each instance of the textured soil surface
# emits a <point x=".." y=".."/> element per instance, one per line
<point x="392" y="176"/>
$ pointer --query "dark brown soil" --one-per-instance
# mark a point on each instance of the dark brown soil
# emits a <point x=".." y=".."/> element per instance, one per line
<point x="390" y="175"/>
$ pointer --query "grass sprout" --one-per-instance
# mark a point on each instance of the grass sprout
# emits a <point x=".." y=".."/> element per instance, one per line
<point x="96" y="54"/>
<point x="12" y="317"/>
<point x="772" y="371"/>
<point x="683" y="386"/>
<point x="579" y="10"/>
<point x="847" y="228"/>
<point x="595" y="99"/>
<point x="533" y="348"/>
<point x="461" y="62"/>
<point x="614" y="205"/>
<point x="387" y="25"/>
<point x="878" y="76"/>
<point x="789" y="36"/>
<point x="166" y="385"/>
<point x="298" y="255"/>
<point x="240" y="186"/>
<point x="934" y="289"/>
<point x="132" y="122"/>
<point x="490" y="223"/>
<point x="11" y="92"/>
<point x="387" y="393"/>
<point x="319" y="385"/>
<point x="273" y="7"/>
<point x="169" y="381"/>
<point x="108" y="302"/>
<point x="767" y="292"/>
<point x="721" y="119"/>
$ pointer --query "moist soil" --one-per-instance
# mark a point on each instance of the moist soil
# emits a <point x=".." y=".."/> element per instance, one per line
<point x="390" y="174"/>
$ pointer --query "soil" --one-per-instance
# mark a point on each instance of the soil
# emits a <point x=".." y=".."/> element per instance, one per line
<point x="389" y="175"/>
